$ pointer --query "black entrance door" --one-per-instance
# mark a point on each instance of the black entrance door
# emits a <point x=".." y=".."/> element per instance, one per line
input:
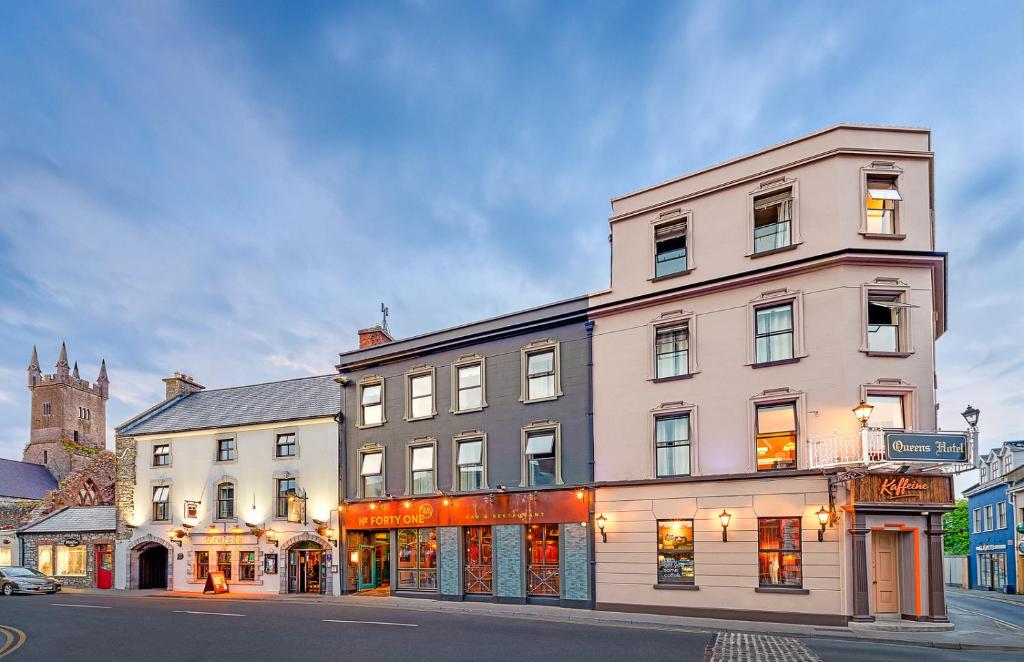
<point x="153" y="567"/>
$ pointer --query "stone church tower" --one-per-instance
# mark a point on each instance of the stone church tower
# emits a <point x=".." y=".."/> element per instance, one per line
<point x="69" y="416"/>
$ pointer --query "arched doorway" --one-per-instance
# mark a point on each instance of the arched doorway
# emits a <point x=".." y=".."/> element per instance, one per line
<point x="153" y="566"/>
<point x="307" y="568"/>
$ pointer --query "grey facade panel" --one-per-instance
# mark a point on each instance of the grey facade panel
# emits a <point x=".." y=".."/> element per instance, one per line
<point x="509" y="553"/>
<point x="502" y="419"/>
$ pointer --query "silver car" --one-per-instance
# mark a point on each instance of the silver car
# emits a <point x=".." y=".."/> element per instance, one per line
<point x="19" y="579"/>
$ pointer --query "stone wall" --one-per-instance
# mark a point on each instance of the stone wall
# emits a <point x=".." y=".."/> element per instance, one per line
<point x="89" y="541"/>
<point x="125" y="449"/>
<point x="509" y="553"/>
<point x="575" y="563"/>
<point x="449" y="562"/>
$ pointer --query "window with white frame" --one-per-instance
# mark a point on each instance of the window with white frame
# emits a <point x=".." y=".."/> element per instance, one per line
<point x="285" y="446"/>
<point x="773" y="333"/>
<point x="421" y="469"/>
<point x="469" y="386"/>
<point x="161" y="503"/>
<point x="983" y="470"/>
<point x="672" y="351"/>
<point x="1008" y="463"/>
<point x="886" y="311"/>
<point x="469" y="462"/>
<point x="887" y="412"/>
<point x="540" y="371"/>
<point x="881" y="205"/>
<point x="672" y="445"/>
<point x="977" y="520"/>
<point x="773" y="220"/>
<point x="421" y="395"/>
<point x="776" y="436"/>
<point x="995" y="468"/>
<point x="989" y="524"/>
<point x="225" y="501"/>
<point x="371" y="404"/>
<point x="541" y="458"/>
<point x="1001" y="515"/>
<point x="371" y="473"/>
<point x="670" y="248"/>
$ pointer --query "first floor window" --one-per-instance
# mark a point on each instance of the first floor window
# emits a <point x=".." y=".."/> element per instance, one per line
<point x="417" y="559"/>
<point x="44" y="560"/>
<point x="224" y="564"/>
<point x="1001" y="515"/>
<point x="202" y="565"/>
<point x="540" y="458"/>
<point x="773" y="334"/>
<point x="989" y="524"/>
<point x="675" y="551"/>
<point x="225" y="450"/>
<point x="672" y="442"/>
<point x="161" y="455"/>
<point x="887" y="412"/>
<point x="225" y="501"/>
<point x="977" y="520"/>
<point x="285" y="445"/>
<point x="247" y="566"/>
<point x="372" y="474"/>
<point x="672" y="349"/>
<point x="540" y="375"/>
<point x="470" y="461"/>
<point x="285" y="488"/>
<point x="422" y="469"/>
<point x="469" y="387"/>
<point x="71" y="561"/>
<point x="161" y="503"/>
<point x="542" y="542"/>
<point x="779" y="556"/>
<point x="776" y="436"/>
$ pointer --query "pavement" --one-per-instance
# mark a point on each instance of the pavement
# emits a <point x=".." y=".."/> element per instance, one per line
<point x="981" y="621"/>
<point x="163" y="625"/>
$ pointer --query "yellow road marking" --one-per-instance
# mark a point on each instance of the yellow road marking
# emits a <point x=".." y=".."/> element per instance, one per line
<point x="14" y="638"/>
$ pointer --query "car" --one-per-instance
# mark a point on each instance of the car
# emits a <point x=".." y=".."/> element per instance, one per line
<point x="19" y="579"/>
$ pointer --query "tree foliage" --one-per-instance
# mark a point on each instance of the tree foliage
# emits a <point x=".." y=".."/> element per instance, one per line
<point x="958" y="541"/>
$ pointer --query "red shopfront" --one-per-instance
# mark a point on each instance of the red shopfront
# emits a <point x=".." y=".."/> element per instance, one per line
<point x="451" y="546"/>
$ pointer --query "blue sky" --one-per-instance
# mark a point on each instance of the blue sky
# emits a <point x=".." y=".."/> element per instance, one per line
<point x="231" y="188"/>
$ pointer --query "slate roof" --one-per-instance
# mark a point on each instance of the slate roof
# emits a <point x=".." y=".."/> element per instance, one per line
<point x="71" y="520"/>
<point x="290" y="400"/>
<point x="24" y="480"/>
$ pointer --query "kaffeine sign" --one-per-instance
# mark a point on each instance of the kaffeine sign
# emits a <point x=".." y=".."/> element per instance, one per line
<point x="926" y="446"/>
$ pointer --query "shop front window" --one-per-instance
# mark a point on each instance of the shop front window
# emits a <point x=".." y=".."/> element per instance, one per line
<point x="479" y="572"/>
<point x="542" y="559"/>
<point x="247" y="566"/>
<point x="71" y="561"/>
<point x="675" y="551"/>
<point x="224" y="564"/>
<point x="417" y="559"/>
<point x="45" y="561"/>
<point x="779" y="555"/>
<point x="202" y="565"/>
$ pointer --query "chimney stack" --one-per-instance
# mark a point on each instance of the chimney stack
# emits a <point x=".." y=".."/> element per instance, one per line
<point x="375" y="335"/>
<point x="181" y="384"/>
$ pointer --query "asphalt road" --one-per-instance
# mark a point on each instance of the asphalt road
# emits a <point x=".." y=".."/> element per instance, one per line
<point x="122" y="627"/>
<point x="992" y="609"/>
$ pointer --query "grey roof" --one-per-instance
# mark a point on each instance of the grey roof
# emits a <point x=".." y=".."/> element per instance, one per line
<point x="70" y="520"/>
<point x="24" y="480"/>
<point x="294" y="399"/>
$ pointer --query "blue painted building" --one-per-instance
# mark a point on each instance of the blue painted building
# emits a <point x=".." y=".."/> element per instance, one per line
<point x="992" y="564"/>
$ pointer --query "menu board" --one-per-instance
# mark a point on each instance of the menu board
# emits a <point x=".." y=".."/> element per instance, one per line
<point x="215" y="582"/>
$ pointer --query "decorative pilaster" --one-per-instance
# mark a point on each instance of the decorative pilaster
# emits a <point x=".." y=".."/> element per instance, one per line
<point x="936" y="588"/>
<point x="861" y="602"/>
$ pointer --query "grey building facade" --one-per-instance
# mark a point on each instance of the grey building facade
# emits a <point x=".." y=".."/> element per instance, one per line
<point x="468" y="456"/>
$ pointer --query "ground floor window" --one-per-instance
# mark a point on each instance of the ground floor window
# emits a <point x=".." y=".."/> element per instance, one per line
<point x="71" y="561"/>
<point x="675" y="551"/>
<point x="479" y="557"/>
<point x="44" y="559"/>
<point x="202" y="565"/>
<point x="224" y="564"/>
<point x="779" y="556"/>
<point x="992" y="570"/>
<point x="417" y="559"/>
<point x="542" y="542"/>
<point x="5" y="556"/>
<point x="247" y="566"/>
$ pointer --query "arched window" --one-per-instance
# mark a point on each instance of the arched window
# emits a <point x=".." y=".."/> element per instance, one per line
<point x="225" y="501"/>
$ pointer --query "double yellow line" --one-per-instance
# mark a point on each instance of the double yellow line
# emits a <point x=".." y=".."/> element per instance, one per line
<point x="13" y="639"/>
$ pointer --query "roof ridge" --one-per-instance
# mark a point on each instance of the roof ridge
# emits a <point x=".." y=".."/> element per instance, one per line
<point x="276" y="381"/>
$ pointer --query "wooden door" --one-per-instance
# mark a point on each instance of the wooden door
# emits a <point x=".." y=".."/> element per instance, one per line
<point x="104" y="566"/>
<point x="886" y="571"/>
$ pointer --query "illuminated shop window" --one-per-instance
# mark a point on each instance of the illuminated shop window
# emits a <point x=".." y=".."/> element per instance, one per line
<point x="779" y="555"/>
<point x="675" y="551"/>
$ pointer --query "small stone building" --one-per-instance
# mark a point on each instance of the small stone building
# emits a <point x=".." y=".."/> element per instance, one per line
<point x="73" y="545"/>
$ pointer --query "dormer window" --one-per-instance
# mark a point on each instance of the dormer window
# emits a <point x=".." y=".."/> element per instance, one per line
<point x="773" y="219"/>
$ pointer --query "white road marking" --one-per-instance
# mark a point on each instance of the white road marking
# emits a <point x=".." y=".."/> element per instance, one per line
<point x="208" y="613"/>
<point x="65" y="604"/>
<point x="997" y="620"/>
<point x="403" y="625"/>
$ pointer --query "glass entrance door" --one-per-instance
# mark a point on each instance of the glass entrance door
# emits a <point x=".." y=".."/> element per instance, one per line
<point x="367" y="567"/>
<point x="479" y="571"/>
<point x="542" y="559"/>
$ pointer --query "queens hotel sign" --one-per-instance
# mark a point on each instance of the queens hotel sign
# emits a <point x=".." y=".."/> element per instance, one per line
<point x="926" y="447"/>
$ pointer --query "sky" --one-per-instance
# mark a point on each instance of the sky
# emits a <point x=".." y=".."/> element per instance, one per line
<point x="231" y="189"/>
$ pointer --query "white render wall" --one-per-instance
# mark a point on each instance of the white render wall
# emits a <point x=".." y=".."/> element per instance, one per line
<point x="194" y="475"/>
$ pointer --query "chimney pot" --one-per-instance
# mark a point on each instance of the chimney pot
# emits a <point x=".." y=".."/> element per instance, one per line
<point x="181" y="384"/>
<point x="373" y="336"/>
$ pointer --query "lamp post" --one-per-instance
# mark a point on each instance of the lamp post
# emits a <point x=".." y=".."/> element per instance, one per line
<point x="863" y="413"/>
<point x="971" y="415"/>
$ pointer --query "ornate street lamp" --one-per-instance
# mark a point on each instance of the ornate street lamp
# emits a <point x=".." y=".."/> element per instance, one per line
<point x="601" y="521"/>
<point x="971" y="416"/>
<point x="823" y="519"/>
<point x="863" y="412"/>
<point x="724" y="518"/>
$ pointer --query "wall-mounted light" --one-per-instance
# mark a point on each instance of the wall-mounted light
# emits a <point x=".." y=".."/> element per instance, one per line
<point x="176" y="535"/>
<point x="724" y="518"/>
<point x="500" y="487"/>
<point x="272" y="537"/>
<point x="579" y="493"/>
<point x="601" y="521"/>
<point x="353" y="557"/>
<point x="863" y="412"/>
<point x="824" y="518"/>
